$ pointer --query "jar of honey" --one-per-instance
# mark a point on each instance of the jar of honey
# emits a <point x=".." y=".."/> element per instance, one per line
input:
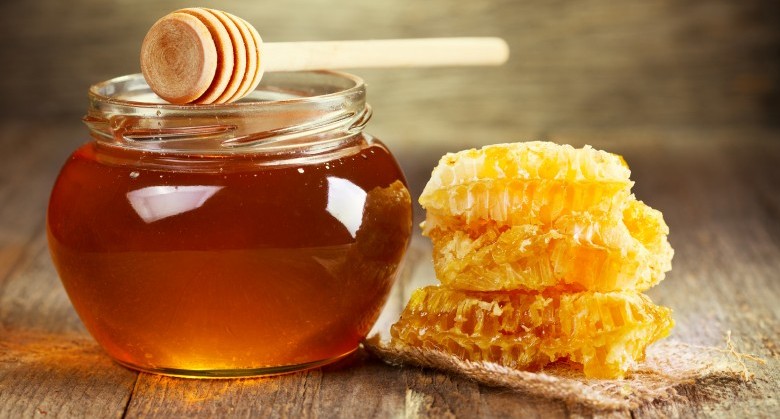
<point x="251" y="238"/>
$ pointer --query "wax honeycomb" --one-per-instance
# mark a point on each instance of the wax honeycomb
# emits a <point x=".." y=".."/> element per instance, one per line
<point x="604" y="332"/>
<point x="526" y="183"/>
<point x="543" y="253"/>
<point x="575" y="253"/>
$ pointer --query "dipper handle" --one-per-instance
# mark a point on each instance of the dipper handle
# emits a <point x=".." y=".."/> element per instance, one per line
<point x="424" y="52"/>
<point x="203" y="56"/>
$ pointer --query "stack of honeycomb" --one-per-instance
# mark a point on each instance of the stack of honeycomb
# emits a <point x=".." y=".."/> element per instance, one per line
<point x="543" y="254"/>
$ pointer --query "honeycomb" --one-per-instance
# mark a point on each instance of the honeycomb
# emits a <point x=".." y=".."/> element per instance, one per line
<point x="543" y="253"/>
<point x="386" y="224"/>
<point x="575" y="253"/>
<point x="604" y="332"/>
<point x="372" y="261"/>
<point x="526" y="183"/>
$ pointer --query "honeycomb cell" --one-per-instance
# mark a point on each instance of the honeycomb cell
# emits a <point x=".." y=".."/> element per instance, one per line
<point x="604" y="332"/>
<point x="576" y="252"/>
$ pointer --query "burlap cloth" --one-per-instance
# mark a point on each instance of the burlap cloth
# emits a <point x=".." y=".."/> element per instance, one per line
<point x="668" y="366"/>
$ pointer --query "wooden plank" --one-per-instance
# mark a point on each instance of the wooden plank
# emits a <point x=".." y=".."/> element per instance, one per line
<point x="59" y="375"/>
<point x="31" y="296"/>
<point x="48" y="363"/>
<point x="361" y="386"/>
<point x="30" y="157"/>
<point x="356" y="386"/>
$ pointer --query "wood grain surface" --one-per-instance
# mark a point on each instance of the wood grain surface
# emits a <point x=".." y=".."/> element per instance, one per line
<point x="688" y="92"/>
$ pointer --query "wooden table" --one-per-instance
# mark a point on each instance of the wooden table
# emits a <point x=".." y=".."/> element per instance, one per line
<point x="719" y="191"/>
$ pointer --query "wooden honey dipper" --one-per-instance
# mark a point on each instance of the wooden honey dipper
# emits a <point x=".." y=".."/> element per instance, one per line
<point x="203" y="56"/>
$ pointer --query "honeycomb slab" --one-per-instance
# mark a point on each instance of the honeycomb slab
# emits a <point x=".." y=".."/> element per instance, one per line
<point x="576" y="252"/>
<point x="526" y="183"/>
<point x="604" y="332"/>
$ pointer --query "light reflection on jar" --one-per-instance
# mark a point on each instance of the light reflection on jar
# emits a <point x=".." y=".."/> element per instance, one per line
<point x="154" y="203"/>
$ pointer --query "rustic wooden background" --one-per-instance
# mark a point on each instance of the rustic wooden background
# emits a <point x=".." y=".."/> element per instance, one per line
<point x="689" y="92"/>
<point x="574" y="64"/>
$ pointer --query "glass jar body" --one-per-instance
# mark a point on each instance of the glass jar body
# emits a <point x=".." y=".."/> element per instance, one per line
<point x="230" y="264"/>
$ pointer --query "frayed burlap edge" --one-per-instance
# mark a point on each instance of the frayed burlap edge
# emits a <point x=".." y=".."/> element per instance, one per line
<point x="668" y="365"/>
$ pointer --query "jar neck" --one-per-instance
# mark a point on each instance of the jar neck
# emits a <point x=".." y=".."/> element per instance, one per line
<point x="288" y="113"/>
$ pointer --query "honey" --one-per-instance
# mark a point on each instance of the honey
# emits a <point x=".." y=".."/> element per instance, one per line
<point x="229" y="264"/>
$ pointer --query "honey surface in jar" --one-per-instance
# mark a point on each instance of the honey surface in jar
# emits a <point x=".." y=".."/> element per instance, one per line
<point x="218" y="263"/>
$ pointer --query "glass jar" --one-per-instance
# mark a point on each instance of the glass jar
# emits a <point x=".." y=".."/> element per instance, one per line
<point x="251" y="238"/>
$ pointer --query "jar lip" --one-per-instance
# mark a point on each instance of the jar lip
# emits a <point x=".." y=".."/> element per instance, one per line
<point x="288" y="110"/>
<point x="98" y="92"/>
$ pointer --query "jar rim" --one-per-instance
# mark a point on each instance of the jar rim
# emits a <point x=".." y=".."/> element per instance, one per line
<point x="98" y="92"/>
<point x="287" y="110"/>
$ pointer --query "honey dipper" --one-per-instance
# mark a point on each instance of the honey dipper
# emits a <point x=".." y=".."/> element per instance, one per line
<point x="203" y="56"/>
